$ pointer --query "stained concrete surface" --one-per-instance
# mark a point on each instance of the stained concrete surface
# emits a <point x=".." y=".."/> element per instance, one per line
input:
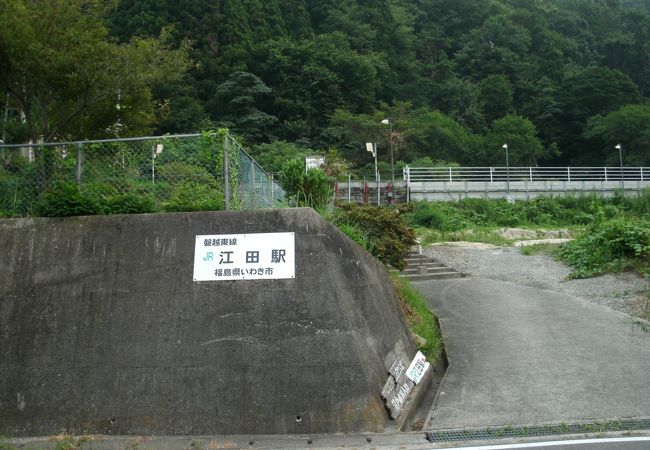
<point x="103" y="330"/>
<point x="521" y="356"/>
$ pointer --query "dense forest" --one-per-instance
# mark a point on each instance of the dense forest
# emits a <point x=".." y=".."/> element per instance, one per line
<point x="561" y="81"/>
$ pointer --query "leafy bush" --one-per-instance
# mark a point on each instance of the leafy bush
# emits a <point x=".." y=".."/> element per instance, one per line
<point x="609" y="245"/>
<point x="389" y="237"/>
<point x="188" y="196"/>
<point x="130" y="203"/>
<point x="176" y="171"/>
<point x="312" y="189"/>
<point x="66" y="199"/>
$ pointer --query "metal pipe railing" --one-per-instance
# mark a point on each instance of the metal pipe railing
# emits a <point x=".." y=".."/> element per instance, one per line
<point x="530" y="174"/>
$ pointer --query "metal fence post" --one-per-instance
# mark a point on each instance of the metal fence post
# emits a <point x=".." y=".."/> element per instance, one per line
<point x="226" y="172"/>
<point x="408" y="184"/>
<point x="80" y="148"/>
<point x="153" y="163"/>
<point x="378" y="189"/>
<point x="568" y="174"/>
<point x="252" y="182"/>
<point x="349" y="188"/>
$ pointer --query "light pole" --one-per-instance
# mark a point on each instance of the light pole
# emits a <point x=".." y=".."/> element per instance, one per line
<point x="620" y="159"/>
<point x="372" y="148"/>
<point x="507" y="170"/>
<point x="389" y="122"/>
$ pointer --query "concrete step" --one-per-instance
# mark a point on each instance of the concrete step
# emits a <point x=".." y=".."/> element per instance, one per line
<point x="425" y="263"/>
<point x="410" y="270"/>
<point x="421" y="268"/>
<point x="435" y="276"/>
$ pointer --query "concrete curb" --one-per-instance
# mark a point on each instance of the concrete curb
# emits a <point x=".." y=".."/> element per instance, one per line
<point x="442" y="381"/>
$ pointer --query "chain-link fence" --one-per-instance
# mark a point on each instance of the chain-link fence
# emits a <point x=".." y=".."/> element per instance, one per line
<point x="209" y="171"/>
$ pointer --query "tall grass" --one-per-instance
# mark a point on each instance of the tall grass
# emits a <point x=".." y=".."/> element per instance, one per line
<point x="419" y="318"/>
<point x="542" y="211"/>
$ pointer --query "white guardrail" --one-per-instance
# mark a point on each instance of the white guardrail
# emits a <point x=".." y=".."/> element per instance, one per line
<point x="531" y="174"/>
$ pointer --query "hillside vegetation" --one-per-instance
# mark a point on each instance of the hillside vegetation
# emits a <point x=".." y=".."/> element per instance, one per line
<point x="562" y="81"/>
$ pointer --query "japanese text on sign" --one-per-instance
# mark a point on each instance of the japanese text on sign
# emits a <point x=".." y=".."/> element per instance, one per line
<point x="261" y="256"/>
<point x="418" y="367"/>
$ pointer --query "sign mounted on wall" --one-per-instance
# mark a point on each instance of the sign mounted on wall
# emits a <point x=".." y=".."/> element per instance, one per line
<point x="258" y="256"/>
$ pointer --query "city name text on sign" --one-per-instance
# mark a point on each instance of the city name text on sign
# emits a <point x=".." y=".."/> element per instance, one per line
<point x="256" y="256"/>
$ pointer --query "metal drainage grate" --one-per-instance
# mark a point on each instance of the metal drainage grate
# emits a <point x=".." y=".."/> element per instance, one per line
<point x="482" y="434"/>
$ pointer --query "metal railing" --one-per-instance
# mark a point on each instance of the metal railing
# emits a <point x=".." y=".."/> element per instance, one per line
<point x="177" y="172"/>
<point x="531" y="174"/>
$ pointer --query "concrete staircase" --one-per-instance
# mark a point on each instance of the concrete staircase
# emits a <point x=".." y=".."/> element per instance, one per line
<point x="421" y="268"/>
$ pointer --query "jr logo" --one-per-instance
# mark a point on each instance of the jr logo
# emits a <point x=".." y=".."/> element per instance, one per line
<point x="209" y="257"/>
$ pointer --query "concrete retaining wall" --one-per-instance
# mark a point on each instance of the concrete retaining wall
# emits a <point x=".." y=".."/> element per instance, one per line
<point x="520" y="190"/>
<point x="103" y="330"/>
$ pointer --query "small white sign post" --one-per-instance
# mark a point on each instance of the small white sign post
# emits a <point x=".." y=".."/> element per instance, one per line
<point x="418" y="368"/>
<point x="259" y="256"/>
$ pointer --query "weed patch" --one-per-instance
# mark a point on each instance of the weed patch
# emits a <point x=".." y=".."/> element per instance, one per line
<point x="540" y="212"/>
<point x="609" y="246"/>
<point x="419" y="318"/>
<point x="541" y="249"/>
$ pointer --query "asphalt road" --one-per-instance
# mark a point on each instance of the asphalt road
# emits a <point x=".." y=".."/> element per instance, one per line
<point x="402" y="441"/>
<point x="640" y="443"/>
<point x="523" y="356"/>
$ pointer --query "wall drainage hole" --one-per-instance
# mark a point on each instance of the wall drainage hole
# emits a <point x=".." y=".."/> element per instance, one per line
<point x="298" y="419"/>
<point x="113" y="420"/>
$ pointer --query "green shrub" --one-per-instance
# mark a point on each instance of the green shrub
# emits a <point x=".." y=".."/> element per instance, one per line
<point x="189" y="196"/>
<point x="66" y="199"/>
<point x="130" y="203"/>
<point x="312" y="189"/>
<point x="177" y="171"/>
<point x="610" y="245"/>
<point x="384" y="228"/>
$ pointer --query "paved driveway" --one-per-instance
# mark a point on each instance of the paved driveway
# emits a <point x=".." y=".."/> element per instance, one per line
<point x="522" y="356"/>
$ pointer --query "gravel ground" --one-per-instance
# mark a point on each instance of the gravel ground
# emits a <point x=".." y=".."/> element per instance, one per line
<point x="622" y="292"/>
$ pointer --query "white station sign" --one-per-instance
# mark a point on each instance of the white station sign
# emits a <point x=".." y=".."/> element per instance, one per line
<point x="258" y="256"/>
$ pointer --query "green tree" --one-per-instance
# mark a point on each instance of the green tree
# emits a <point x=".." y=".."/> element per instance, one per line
<point x="583" y="94"/>
<point x="524" y="146"/>
<point x="272" y="156"/>
<point x="64" y="74"/>
<point x="311" y="79"/>
<point x="239" y="99"/>
<point x="440" y="137"/>
<point x="630" y="127"/>
<point x="462" y="100"/>
<point x="497" y="97"/>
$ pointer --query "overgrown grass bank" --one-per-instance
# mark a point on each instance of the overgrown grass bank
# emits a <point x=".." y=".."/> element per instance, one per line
<point x="419" y="318"/>
<point x="613" y="234"/>
<point x="549" y="212"/>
